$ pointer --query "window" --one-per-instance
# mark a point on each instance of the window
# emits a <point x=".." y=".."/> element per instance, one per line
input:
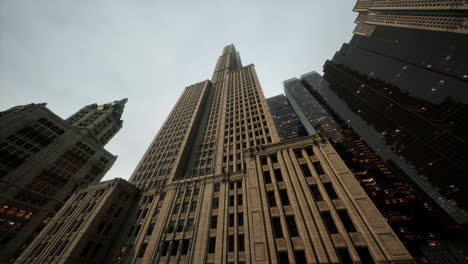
<point x="142" y="250"/>
<point x="278" y="175"/>
<point x="176" y="209"/>
<point x="346" y="220"/>
<point x="175" y="247"/>
<point x="145" y="212"/>
<point x="231" y="220"/>
<point x="240" y="219"/>
<point x="305" y="170"/>
<point x="330" y="191"/>
<point x="171" y="226"/>
<point x="193" y="206"/>
<point x="300" y="257"/>
<point x="316" y="192"/>
<point x="284" y="197"/>
<point x="239" y="199"/>
<point x="180" y="226"/>
<point x="292" y="227"/>
<point x="271" y="199"/>
<point x="267" y="177"/>
<point x="231" y="200"/>
<point x="184" y="208"/>
<point x="215" y="203"/>
<point x="185" y="247"/>
<point x="310" y="151"/>
<point x="149" y="231"/>
<point x="214" y="221"/>
<point x="240" y="243"/>
<point x="327" y="218"/>
<point x="364" y="255"/>
<point x="164" y="248"/>
<point x="318" y="168"/>
<point x="298" y="153"/>
<point x="216" y="187"/>
<point x="231" y="243"/>
<point x="274" y="158"/>
<point x="212" y="245"/>
<point x="343" y="256"/>
<point x="283" y="257"/>
<point x="277" y="227"/>
<point x="189" y="226"/>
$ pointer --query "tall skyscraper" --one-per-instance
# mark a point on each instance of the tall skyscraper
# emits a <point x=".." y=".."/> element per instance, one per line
<point x="425" y="236"/>
<point x="219" y="187"/>
<point x="43" y="159"/>
<point x="404" y="90"/>
<point x="442" y="15"/>
<point x="286" y="120"/>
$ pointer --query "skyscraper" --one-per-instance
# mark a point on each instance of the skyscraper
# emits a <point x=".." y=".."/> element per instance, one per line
<point x="425" y="236"/>
<point x="404" y="90"/>
<point x="219" y="187"/>
<point x="286" y="120"/>
<point x="43" y="159"/>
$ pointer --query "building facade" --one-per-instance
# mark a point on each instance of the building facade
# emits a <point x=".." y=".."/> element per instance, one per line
<point x="404" y="90"/>
<point x="43" y="160"/>
<point x="444" y="15"/>
<point x="86" y="227"/>
<point x="218" y="186"/>
<point x="286" y="121"/>
<point x="388" y="187"/>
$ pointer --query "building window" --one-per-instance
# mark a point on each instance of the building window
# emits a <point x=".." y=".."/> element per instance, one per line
<point x="271" y="199"/>
<point x="283" y="257"/>
<point x="240" y="219"/>
<point x="240" y="243"/>
<point x="212" y="245"/>
<point x="185" y="247"/>
<point x="330" y="191"/>
<point x="142" y="250"/>
<point x="344" y="256"/>
<point x="215" y="203"/>
<point x="292" y="227"/>
<point x="149" y="231"/>
<point x="284" y="197"/>
<point x="267" y="177"/>
<point x="164" y="248"/>
<point x="327" y="218"/>
<point x="239" y="199"/>
<point x="216" y="187"/>
<point x="305" y="170"/>
<point x="231" y="200"/>
<point x="193" y="206"/>
<point x="318" y="168"/>
<point x="346" y="220"/>
<point x="277" y="230"/>
<point x="175" y="247"/>
<point x="231" y="243"/>
<point x="300" y="256"/>
<point x="214" y="221"/>
<point x="316" y="192"/>
<point x="180" y="226"/>
<point x="278" y="175"/>
<point x="171" y="226"/>
<point x="189" y="226"/>
<point x="231" y="220"/>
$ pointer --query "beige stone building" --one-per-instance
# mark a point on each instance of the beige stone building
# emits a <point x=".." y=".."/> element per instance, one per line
<point x="217" y="186"/>
<point x="441" y="15"/>
<point x="43" y="160"/>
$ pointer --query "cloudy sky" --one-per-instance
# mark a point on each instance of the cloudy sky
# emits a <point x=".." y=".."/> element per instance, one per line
<point x="71" y="53"/>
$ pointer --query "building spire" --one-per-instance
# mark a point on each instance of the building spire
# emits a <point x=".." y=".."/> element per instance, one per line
<point x="101" y="122"/>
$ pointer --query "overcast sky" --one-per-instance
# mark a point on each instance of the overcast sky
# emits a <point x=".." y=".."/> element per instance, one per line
<point x="71" y="53"/>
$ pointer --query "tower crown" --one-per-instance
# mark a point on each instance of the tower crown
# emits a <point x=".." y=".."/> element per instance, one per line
<point x="101" y="122"/>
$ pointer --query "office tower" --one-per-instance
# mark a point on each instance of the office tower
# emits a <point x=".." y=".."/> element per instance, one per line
<point x="286" y="120"/>
<point x="83" y="230"/>
<point x="217" y="186"/>
<point x="444" y="15"/>
<point x="425" y="237"/>
<point x="43" y="159"/>
<point x="404" y="90"/>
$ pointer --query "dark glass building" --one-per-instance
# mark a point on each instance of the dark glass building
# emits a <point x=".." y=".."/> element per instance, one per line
<point x="285" y="118"/>
<point x="402" y="84"/>
<point x="383" y="182"/>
